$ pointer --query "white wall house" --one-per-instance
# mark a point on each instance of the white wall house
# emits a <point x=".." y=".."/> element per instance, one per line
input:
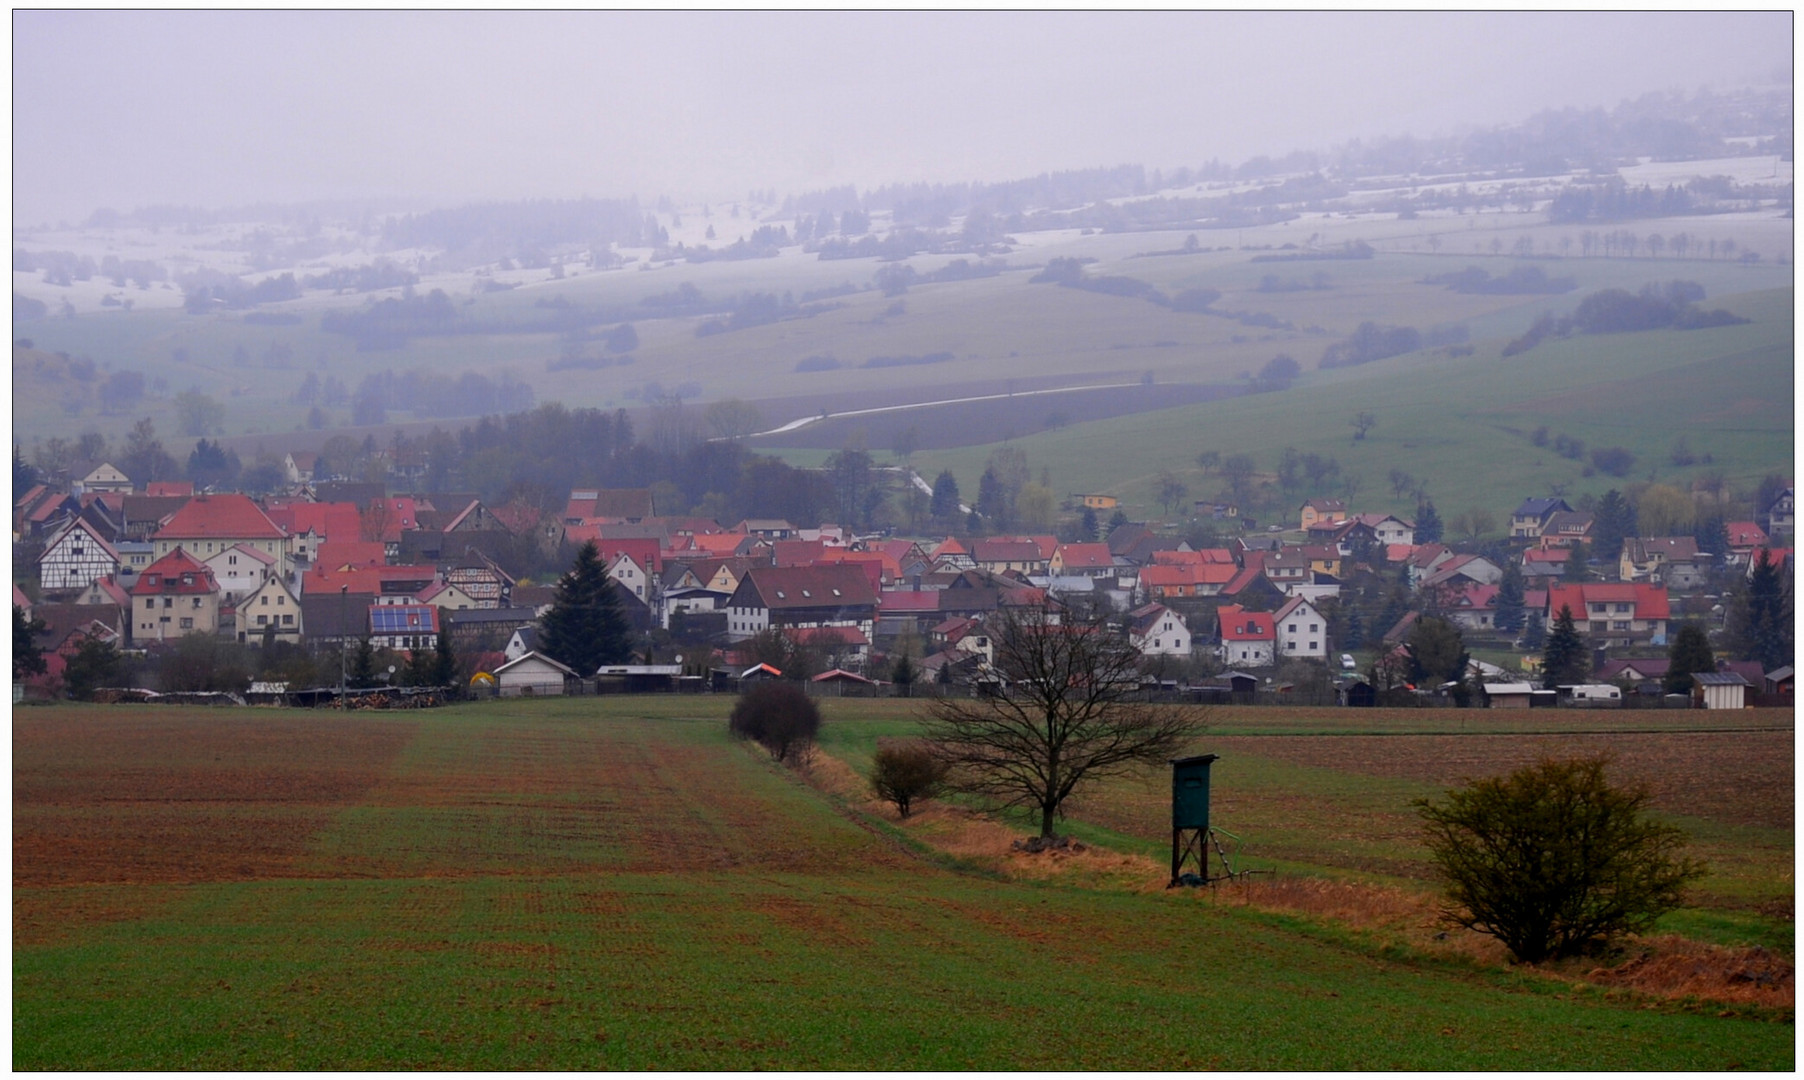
<point x="1301" y="630"/>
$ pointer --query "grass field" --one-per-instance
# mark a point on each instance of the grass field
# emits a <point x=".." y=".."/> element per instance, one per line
<point x="998" y="328"/>
<point x="1463" y="424"/>
<point x="585" y="884"/>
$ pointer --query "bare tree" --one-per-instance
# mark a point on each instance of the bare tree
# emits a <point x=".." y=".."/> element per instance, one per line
<point x="1063" y="718"/>
<point x="732" y="418"/>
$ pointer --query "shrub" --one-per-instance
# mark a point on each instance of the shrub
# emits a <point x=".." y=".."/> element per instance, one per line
<point x="1552" y="860"/>
<point x="778" y="716"/>
<point x="905" y="773"/>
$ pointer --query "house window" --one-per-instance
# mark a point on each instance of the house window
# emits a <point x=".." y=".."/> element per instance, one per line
<point x="288" y="620"/>
<point x="1622" y="609"/>
<point x="264" y="601"/>
<point x="263" y="620"/>
<point x="1312" y="628"/>
<point x="168" y="601"/>
<point x="187" y="624"/>
<point x="1620" y="624"/>
<point x="149" y="603"/>
<point x="1312" y="646"/>
<point x="1597" y="624"/>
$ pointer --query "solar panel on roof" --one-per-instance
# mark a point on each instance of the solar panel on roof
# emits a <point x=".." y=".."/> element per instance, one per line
<point x="399" y="619"/>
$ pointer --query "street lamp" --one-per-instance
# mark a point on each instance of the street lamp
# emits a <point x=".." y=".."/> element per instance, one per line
<point x="343" y="595"/>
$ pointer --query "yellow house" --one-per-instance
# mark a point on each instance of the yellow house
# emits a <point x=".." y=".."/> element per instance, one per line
<point x="1331" y="510"/>
<point x="1100" y="502"/>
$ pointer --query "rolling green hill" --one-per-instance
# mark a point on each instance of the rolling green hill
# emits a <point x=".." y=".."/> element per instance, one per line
<point x="1463" y="424"/>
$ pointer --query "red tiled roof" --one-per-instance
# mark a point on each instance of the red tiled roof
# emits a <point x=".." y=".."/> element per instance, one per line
<point x="908" y="600"/>
<point x="829" y="635"/>
<point x="169" y="487"/>
<point x="1650" y="601"/>
<point x="219" y="517"/>
<point x="166" y="576"/>
<point x="1745" y="534"/>
<point x="338" y="553"/>
<point x="780" y="587"/>
<point x="1238" y="625"/>
<point x="1086" y="556"/>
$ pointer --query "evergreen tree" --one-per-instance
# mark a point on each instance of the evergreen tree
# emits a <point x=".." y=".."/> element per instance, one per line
<point x="1712" y="536"/>
<point x="363" y="666"/>
<point x="95" y="664"/>
<point x="1428" y="524"/>
<point x="944" y="506"/>
<point x="992" y="498"/>
<point x="903" y="674"/>
<point x="1688" y="654"/>
<point x="585" y="627"/>
<point x="444" y="662"/>
<point x="28" y="658"/>
<point x="1613" y="520"/>
<point x="1117" y="520"/>
<point x="1087" y="524"/>
<point x="1759" y="617"/>
<point x="1534" y="632"/>
<point x="1566" y="659"/>
<point x="1509" y="599"/>
<point x="1437" y="652"/>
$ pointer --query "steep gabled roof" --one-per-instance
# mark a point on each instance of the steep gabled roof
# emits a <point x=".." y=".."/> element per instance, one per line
<point x="175" y="574"/>
<point x="1241" y="625"/>
<point x="220" y="517"/>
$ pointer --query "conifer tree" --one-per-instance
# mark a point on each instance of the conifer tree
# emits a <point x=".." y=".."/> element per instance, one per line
<point x="1509" y="599"/>
<point x="585" y="627"/>
<point x="1688" y="654"/>
<point x="444" y="662"/>
<point x="1759" y="616"/>
<point x="1566" y="659"/>
<point x="1428" y="524"/>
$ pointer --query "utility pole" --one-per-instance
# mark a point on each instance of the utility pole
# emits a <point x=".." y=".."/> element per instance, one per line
<point x="343" y="595"/>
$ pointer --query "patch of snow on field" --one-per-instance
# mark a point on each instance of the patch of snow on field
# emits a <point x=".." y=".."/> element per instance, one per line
<point x="1766" y="169"/>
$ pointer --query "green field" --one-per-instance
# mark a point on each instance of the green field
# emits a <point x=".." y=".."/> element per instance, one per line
<point x="1002" y="328"/>
<point x="1464" y="424"/>
<point x="585" y="884"/>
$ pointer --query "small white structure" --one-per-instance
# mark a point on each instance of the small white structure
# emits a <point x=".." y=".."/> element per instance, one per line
<point x="532" y="675"/>
<point x="1721" y="690"/>
<point x="1509" y="695"/>
<point x="1591" y="695"/>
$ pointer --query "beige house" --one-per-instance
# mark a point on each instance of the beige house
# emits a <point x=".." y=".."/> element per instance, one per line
<point x="271" y="604"/>
<point x="106" y="478"/>
<point x="174" y="597"/>
<point x="209" y="524"/>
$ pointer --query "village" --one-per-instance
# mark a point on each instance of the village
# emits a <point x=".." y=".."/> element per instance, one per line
<point x="1331" y="607"/>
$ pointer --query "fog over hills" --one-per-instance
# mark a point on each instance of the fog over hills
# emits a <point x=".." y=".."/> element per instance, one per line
<point x="232" y="108"/>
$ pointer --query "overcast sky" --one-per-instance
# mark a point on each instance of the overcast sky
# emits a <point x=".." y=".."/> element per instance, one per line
<point x="122" y="108"/>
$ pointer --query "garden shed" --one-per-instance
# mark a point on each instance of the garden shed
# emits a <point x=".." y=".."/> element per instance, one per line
<point x="532" y="675"/>
<point x="1720" y="689"/>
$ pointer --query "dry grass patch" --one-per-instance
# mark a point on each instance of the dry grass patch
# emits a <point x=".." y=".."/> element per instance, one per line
<point x="1672" y="967"/>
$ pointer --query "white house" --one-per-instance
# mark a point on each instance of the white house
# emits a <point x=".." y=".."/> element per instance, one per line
<point x="1247" y="637"/>
<point x="75" y="558"/>
<point x="240" y="570"/>
<point x="1301" y="630"/>
<point x="1156" y="630"/>
<point x="629" y="575"/>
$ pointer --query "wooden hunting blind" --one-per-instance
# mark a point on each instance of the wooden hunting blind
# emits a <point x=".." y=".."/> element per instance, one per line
<point x="1191" y="834"/>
